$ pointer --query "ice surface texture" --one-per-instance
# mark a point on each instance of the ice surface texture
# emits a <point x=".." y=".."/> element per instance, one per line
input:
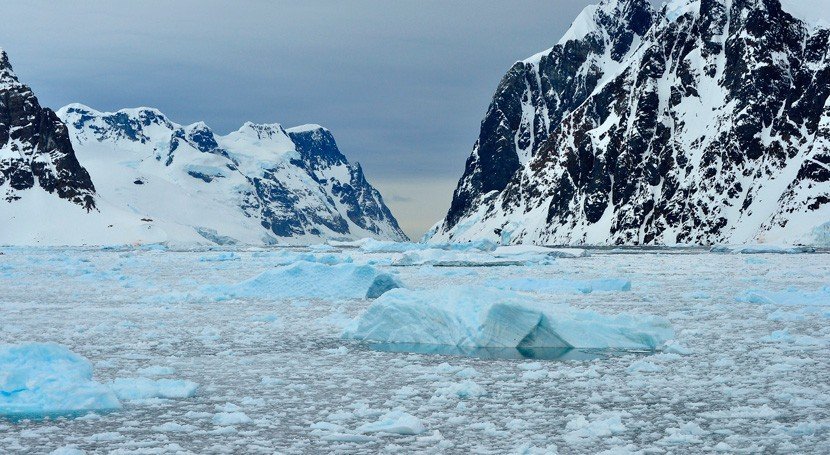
<point x="487" y="317"/>
<point x="38" y="380"/>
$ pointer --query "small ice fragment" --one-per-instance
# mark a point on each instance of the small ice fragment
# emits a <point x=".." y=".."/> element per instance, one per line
<point x="395" y="422"/>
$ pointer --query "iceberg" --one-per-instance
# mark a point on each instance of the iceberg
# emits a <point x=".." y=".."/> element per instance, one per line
<point x="489" y="317"/>
<point x="395" y="422"/>
<point x="42" y="380"/>
<point x="313" y="280"/>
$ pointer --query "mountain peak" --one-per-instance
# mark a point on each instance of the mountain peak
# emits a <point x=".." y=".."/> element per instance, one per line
<point x="42" y="154"/>
<point x="6" y="71"/>
<point x="306" y="128"/>
<point x="261" y="131"/>
<point x="611" y="22"/>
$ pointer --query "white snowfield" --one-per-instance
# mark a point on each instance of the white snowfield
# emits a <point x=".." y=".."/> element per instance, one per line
<point x="156" y="356"/>
<point x="490" y="318"/>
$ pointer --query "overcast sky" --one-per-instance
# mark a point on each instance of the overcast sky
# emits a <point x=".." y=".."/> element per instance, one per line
<point x="403" y="85"/>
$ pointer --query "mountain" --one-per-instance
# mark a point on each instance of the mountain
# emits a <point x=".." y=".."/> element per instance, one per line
<point x="35" y="149"/>
<point x="156" y="181"/>
<point x="701" y="122"/>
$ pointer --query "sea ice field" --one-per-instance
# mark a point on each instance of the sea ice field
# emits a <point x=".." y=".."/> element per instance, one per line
<point x="372" y="347"/>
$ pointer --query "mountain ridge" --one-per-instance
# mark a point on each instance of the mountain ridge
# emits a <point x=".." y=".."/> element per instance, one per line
<point x="158" y="181"/>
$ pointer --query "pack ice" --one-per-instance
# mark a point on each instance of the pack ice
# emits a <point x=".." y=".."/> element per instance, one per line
<point x="562" y="286"/>
<point x="313" y="280"/>
<point x="39" y="380"/>
<point x="488" y="317"/>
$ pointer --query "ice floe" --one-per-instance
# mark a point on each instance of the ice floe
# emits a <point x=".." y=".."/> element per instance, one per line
<point x="762" y="249"/>
<point x="792" y="296"/>
<point x="40" y="380"/>
<point x="559" y="286"/>
<point x="395" y="422"/>
<point x="488" y="317"/>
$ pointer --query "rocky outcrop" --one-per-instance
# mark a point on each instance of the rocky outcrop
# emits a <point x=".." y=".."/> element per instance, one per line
<point x="35" y="149"/>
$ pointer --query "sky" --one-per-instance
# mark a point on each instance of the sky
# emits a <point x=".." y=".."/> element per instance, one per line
<point x="402" y="85"/>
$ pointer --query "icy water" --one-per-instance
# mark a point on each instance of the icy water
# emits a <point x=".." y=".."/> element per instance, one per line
<point x="751" y="373"/>
<point x="501" y="353"/>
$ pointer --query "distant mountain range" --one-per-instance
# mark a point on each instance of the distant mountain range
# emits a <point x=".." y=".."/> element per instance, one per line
<point x="701" y="122"/>
<point x="80" y="176"/>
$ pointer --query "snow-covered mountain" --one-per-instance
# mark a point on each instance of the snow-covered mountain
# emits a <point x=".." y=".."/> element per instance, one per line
<point x="35" y="150"/>
<point x="702" y="121"/>
<point x="155" y="180"/>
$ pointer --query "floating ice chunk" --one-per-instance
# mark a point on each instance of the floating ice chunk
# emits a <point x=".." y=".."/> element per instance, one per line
<point x="312" y="280"/>
<point x="347" y="437"/>
<point x="444" y="258"/>
<point x="480" y="245"/>
<point x="673" y="347"/>
<point x="580" y="428"/>
<point x="67" y="450"/>
<point x="271" y="381"/>
<point x="531" y="250"/>
<point x="743" y="412"/>
<point x="156" y="370"/>
<point x="39" y="380"/>
<point x="173" y="427"/>
<point x="688" y="433"/>
<point x="395" y="422"/>
<point x="143" y="388"/>
<point x="383" y="282"/>
<point x="231" y="418"/>
<point x="463" y="389"/>
<point x="487" y="317"/>
<point x="559" y="286"/>
<point x="644" y="366"/>
<point x="788" y="297"/>
<point x="221" y="257"/>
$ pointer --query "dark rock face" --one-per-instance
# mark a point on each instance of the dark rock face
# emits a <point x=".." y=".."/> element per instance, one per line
<point x="713" y="128"/>
<point x="363" y="203"/>
<point x="535" y="95"/>
<point x="35" y="148"/>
